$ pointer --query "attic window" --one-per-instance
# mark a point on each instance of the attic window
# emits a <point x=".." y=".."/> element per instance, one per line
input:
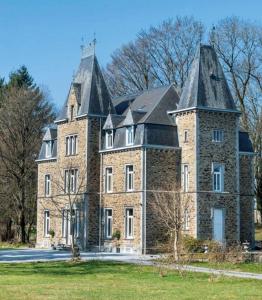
<point x="109" y="139"/>
<point x="48" y="149"/>
<point x="130" y="135"/>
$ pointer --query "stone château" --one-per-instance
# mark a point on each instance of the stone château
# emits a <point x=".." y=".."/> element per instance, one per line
<point x="117" y="155"/>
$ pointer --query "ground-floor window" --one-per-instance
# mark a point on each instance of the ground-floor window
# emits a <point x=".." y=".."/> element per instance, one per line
<point x="129" y="223"/>
<point x="108" y="223"/>
<point x="46" y="223"/>
<point x="66" y="223"/>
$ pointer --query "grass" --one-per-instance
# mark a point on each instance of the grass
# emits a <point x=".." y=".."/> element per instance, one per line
<point x="111" y="280"/>
<point x="242" y="267"/>
<point x="258" y="232"/>
<point x="7" y="245"/>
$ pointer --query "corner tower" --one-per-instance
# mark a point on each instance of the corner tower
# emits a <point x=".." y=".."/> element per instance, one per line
<point x="76" y="164"/>
<point x="208" y="129"/>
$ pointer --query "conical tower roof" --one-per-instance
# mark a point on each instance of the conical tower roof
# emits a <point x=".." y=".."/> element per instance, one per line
<point x="92" y="96"/>
<point x="206" y="85"/>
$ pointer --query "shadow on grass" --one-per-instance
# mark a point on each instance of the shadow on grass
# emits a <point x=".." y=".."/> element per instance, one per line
<point x="66" y="268"/>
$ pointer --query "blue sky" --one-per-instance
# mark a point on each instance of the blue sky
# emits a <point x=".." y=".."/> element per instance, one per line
<point x="45" y="35"/>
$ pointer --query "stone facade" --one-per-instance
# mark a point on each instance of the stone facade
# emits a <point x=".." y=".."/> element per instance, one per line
<point x="172" y="155"/>
<point x="246" y="198"/>
<point x="87" y="162"/>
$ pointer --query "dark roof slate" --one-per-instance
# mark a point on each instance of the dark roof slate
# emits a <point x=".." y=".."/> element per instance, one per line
<point x="121" y="103"/>
<point x="206" y="85"/>
<point x="152" y="105"/>
<point x="50" y="134"/>
<point x="112" y="121"/>
<point x="91" y="90"/>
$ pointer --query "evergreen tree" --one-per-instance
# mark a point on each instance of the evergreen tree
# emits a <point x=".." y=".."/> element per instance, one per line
<point x="21" y="78"/>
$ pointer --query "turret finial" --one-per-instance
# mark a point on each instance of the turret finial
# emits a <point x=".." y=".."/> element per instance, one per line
<point x="213" y="36"/>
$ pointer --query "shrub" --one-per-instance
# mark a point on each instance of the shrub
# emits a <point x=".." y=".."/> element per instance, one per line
<point x="192" y="245"/>
<point x="116" y="235"/>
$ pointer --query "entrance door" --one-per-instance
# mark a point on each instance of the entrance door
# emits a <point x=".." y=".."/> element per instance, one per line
<point x="218" y="225"/>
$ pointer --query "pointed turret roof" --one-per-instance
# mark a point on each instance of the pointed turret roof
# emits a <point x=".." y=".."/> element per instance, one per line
<point x="206" y="85"/>
<point x="91" y="90"/>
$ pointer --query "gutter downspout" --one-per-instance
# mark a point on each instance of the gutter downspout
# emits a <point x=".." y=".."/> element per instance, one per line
<point x="100" y="188"/>
<point x="144" y="202"/>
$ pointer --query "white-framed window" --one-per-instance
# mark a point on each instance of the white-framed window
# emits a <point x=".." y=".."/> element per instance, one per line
<point x="130" y="135"/>
<point x="109" y="180"/>
<point x="108" y="223"/>
<point x="65" y="222"/>
<point x="218" y="135"/>
<point x="109" y="139"/>
<point x="129" y="178"/>
<point x="185" y="136"/>
<point x="129" y="223"/>
<point x="71" y="180"/>
<point x="48" y="149"/>
<point x="218" y="177"/>
<point x="77" y="222"/>
<point x="71" y="144"/>
<point x="47" y="185"/>
<point x="186" y="220"/>
<point x="185" y="177"/>
<point x="46" y="223"/>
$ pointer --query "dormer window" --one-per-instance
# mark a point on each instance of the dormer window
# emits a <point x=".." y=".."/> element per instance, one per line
<point x="109" y="139"/>
<point x="48" y="149"/>
<point x="130" y="135"/>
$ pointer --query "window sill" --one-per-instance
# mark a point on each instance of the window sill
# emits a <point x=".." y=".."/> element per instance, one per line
<point x="69" y="155"/>
<point x="129" y="191"/>
<point x="129" y="239"/>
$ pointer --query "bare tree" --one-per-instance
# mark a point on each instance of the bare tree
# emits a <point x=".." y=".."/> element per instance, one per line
<point x="239" y="46"/>
<point x="24" y="113"/>
<point x="172" y="211"/>
<point x="68" y="188"/>
<point x="159" y="56"/>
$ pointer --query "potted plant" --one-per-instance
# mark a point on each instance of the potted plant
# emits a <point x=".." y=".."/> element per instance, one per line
<point x="52" y="235"/>
<point x="116" y="237"/>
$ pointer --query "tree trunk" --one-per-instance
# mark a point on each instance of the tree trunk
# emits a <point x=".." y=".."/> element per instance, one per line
<point x="9" y="229"/>
<point x="22" y="228"/>
<point x="176" y="252"/>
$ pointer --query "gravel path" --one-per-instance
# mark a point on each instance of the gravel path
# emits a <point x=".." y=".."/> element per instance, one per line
<point x="36" y="255"/>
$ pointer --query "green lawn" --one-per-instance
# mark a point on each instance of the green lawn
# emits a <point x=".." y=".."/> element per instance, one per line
<point x="242" y="267"/>
<point x="108" y="280"/>
<point x="258" y="233"/>
<point x="7" y="245"/>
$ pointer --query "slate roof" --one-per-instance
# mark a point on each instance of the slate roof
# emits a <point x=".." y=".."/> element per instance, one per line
<point x="148" y="111"/>
<point x="121" y="103"/>
<point x="206" y="85"/>
<point x="112" y="121"/>
<point x="91" y="90"/>
<point x="50" y="134"/>
<point x="152" y="106"/>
